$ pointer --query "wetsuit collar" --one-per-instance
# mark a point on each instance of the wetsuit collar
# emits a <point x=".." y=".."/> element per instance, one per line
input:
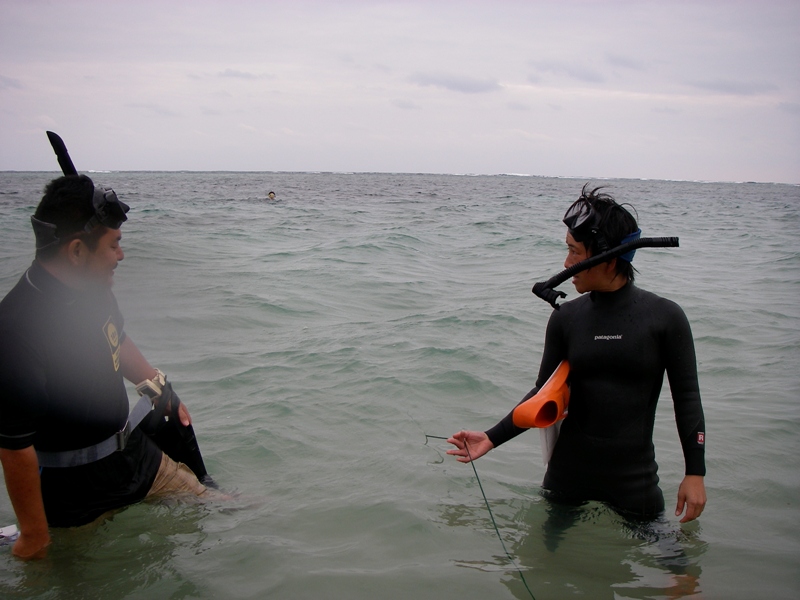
<point x="42" y="281"/>
<point x="609" y="298"/>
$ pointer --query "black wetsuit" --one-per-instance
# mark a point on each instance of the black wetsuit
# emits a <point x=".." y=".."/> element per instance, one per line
<point x="61" y="388"/>
<point x="618" y="345"/>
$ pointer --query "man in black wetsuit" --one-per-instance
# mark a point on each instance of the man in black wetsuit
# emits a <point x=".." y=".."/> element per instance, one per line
<point x="619" y="341"/>
<point x="69" y="451"/>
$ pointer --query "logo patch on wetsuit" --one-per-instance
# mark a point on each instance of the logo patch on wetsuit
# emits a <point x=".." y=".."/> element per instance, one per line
<point x="701" y="437"/>
<point x="112" y="335"/>
<point x="608" y="337"/>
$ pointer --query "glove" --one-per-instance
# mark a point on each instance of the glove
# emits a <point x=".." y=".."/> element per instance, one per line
<point x="165" y="405"/>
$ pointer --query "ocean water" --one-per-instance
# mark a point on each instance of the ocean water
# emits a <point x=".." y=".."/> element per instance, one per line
<point x="319" y="338"/>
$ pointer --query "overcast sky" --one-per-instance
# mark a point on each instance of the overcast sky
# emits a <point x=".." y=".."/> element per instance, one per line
<point x="704" y="90"/>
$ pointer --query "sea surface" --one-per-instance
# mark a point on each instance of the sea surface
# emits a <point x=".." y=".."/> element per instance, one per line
<point x="319" y="338"/>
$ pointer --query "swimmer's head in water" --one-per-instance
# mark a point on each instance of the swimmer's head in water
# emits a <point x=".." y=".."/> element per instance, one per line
<point x="599" y="223"/>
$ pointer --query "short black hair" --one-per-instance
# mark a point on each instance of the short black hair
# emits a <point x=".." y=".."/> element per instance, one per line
<point x="614" y="224"/>
<point x="67" y="204"/>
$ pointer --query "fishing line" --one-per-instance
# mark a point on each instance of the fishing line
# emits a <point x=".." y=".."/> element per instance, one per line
<point x="489" y="508"/>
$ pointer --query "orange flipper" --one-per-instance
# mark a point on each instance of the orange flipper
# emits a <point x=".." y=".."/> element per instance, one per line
<point x="549" y="404"/>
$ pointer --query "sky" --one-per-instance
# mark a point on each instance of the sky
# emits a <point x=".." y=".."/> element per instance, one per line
<point x="705" y="90"/>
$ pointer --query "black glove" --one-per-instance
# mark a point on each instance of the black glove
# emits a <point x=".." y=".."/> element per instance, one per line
<point x="164" y="405"/>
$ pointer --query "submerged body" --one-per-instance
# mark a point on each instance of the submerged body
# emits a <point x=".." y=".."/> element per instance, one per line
<point x="619" y="341"/>
<point x="619" y="345"/>
<point x="69" y="449"/>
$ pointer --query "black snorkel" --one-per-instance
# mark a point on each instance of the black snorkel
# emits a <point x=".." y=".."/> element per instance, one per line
<point x="61" y="152"/>
<point x="593" y="220"/>
<point x="108" y="209"/>
<point x="545" y="289"/>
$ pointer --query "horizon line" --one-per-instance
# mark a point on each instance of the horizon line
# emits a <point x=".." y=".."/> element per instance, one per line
<point x="324" y="172"/>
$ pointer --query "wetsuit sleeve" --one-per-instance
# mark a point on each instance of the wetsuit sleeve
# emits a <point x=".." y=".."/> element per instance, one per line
<point x="120" y="320"/>
<point x="683" y="383"/>
<point x="22" y="387"/>
<point x="554" y="353"/>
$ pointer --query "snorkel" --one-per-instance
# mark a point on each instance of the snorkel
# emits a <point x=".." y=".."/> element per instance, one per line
<point x="108" y="209"/>
<point x="585" y="223"/>
<point x="64" y="161"/>
<point x="545" y="289"/>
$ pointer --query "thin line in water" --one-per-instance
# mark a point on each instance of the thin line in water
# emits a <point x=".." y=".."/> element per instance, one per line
<point x="489" y="508"/>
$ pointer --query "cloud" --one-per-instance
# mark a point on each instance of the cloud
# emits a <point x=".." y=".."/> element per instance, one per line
<point x="518" y="106"/>
<point x="623" y="70"/>
<point x="572" y="70"/>
<point x="455" y="83"/>
<point x="8" y="83"/>
<point x="735" y="88"/>
<point x="793" y="108"/>
<point x="154" y="109"/>
<point x="666" y="110"/>
<point x="406" y="105"/>
<point x="624" y="62"/>
<point x="238" y="74"/>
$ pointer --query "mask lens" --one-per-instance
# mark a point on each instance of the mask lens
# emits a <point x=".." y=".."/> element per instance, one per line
<point x="578" y="214"/>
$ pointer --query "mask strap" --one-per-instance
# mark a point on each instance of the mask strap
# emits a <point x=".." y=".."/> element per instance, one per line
<point x="45" y="233"/>
<point x="628" y="256"/>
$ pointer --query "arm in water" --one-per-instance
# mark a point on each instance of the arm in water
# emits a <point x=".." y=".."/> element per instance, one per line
<point x="478" y="442"/>
<point x="21" y="470"/>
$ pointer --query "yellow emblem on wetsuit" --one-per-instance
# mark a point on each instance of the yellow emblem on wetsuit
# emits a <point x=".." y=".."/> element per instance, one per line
<point x="112" y="335"/>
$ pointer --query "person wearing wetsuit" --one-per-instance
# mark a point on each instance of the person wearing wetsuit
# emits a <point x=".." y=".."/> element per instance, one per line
<point x="63" y="389"/>
<point x="619" y="341"/>
<point x="63" y="356"/>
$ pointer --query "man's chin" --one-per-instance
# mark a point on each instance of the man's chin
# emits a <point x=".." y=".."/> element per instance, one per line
<point x="102" y="285"/>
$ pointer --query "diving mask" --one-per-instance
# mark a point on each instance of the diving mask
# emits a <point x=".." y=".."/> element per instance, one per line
<point x="108" y="211"/>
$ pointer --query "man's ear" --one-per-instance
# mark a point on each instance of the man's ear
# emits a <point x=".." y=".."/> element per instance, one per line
<point x="75" y="252"/>
<point x="610" y="268"/>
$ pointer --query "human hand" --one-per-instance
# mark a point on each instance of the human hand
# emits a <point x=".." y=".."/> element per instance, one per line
<point x="692" y="497"/>
<point x="31" y="546"/>
<point x="183" y="414"/>
<point x="470" y="445"/>
<point x="173" y="405"/>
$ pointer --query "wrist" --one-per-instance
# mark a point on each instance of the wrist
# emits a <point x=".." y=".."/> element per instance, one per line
<point x="31" y="545"/>
<point x="152" y="387"/>
<point x="35" y="532"/>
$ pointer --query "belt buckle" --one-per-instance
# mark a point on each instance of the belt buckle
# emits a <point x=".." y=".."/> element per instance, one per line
<point x="122" y="436"/>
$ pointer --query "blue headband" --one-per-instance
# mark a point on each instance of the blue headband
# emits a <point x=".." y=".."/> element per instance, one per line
<point x="628" y="256"/>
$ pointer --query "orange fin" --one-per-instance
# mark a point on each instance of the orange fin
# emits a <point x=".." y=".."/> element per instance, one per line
<point x="549" y="404"/>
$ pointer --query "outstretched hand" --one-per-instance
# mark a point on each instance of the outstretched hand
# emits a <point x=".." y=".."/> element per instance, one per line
<point x="470" y="445"/>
